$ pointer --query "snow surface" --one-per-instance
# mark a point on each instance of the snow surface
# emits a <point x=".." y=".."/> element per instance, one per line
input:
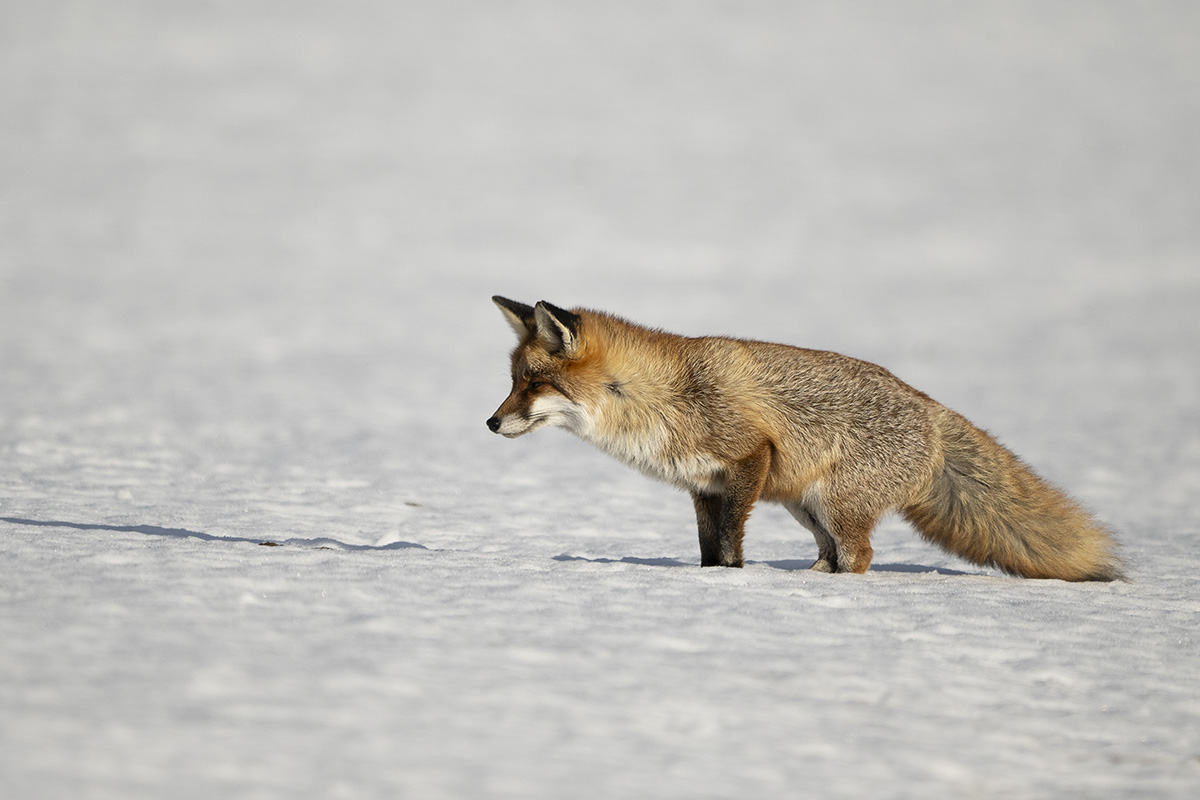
<point x="246" y="251"/>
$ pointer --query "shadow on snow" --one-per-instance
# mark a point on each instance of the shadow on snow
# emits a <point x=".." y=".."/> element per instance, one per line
<point x="183" y="533"/>
<point x="647" y="562"/>
<point x="788" y="565"/>
<point x="795" y="565"/>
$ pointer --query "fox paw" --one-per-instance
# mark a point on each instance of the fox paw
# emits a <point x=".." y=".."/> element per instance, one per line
<point x="823" y="565"/>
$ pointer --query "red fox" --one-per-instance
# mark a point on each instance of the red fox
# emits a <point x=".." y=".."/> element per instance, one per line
<point x="837" y="441"/>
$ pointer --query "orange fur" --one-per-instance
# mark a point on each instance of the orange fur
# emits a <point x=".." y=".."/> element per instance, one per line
<point x="839" y="442"/>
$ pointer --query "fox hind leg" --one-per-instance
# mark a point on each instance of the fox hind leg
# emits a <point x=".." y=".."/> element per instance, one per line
<point x="843" y="544"/>
<point x="827" y="556"/>
<point x="853" y="537"/>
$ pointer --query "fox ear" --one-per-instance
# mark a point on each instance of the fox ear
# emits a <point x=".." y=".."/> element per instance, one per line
<point x="558" y="329"/>
<point x="519" y="315"/>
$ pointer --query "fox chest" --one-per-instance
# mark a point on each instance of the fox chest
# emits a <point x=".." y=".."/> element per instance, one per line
<point x="652" y="456"/>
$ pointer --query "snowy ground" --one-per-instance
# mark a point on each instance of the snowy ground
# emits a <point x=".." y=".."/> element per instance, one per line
<point x="246" y="251"/>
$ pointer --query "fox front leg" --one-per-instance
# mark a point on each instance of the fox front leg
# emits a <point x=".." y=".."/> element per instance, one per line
<point x="721" y="518"/>
<point x="717" y="548"/>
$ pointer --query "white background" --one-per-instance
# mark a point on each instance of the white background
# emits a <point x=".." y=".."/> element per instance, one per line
<point x="246" y="251"/>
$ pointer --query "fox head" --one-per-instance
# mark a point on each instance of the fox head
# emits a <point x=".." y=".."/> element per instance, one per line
<point x="549" y="374"/>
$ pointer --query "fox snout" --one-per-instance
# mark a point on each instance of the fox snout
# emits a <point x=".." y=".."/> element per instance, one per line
<point x="512" y="425"/>
<point x="508" y="420"/>
<point x="521" y="414"/>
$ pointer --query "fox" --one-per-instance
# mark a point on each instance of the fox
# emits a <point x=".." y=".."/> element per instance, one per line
<point x="837" y="441"/>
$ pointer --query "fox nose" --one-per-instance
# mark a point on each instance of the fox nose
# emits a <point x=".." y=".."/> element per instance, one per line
<point x="494" y="424"/>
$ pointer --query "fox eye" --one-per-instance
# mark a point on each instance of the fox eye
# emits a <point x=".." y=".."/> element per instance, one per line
<point x="534" y="385"/>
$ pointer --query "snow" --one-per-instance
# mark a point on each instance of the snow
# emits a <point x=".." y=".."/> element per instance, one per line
<point x="246" y="255"/>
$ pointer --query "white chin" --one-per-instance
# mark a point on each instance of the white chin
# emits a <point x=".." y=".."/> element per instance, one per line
<point x="514" y="431"/>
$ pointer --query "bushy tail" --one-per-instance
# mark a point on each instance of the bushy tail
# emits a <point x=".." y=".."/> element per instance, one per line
<point x="988" y="507"/>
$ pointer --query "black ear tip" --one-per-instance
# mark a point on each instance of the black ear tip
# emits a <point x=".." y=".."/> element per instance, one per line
<point x="567" y="319"/>
<point x="513" y="308"/>
<point x="561" y="313"/>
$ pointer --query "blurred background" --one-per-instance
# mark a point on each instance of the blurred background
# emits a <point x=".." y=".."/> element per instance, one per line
<point x="246" y="248"/>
